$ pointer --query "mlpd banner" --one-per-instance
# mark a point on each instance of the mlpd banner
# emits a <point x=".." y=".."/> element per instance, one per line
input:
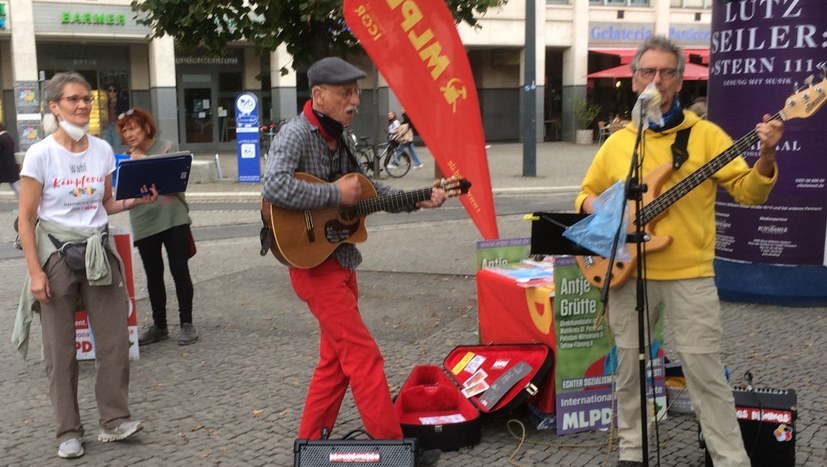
<point x="586" y="357"/>
<point x="774" y="252"/>
<point x="416" y="47"/>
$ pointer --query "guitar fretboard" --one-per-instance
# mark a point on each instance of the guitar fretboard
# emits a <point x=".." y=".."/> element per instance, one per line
<point x="392" y="202"/>
<point x="679" y="190"/>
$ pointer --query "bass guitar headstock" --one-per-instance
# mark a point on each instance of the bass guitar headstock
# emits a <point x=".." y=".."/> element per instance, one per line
<point x="455" y="186"/>
<point x="808" y="99"/>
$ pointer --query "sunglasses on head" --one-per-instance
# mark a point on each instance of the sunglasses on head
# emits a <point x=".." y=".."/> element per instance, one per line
<point x="126" y="114"/>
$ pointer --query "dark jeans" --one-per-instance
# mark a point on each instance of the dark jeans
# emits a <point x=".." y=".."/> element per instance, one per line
<point x="176" y="242"/>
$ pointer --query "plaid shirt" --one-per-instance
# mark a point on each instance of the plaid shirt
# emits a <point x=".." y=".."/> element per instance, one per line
<point x="299" y="147"/>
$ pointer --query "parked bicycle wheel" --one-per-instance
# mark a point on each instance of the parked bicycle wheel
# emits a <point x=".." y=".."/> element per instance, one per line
<point x="397" y="169"/>
<point x="365" y="160"/>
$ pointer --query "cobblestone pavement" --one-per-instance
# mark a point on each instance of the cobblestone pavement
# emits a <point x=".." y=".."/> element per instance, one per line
<point x="235" y="397"/>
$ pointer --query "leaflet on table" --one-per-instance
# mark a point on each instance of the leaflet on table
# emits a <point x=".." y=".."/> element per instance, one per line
<point x="529" y="273"/>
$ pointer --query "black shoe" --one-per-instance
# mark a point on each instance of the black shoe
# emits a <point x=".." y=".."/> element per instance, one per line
<point x="428" y="457"/>
<point x="629" y="464"/>
<point x="188" y="334"/>
<point x="153" y="334"/>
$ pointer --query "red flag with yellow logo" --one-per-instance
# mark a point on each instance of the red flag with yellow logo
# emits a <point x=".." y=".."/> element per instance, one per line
<point x="416" y="47"/>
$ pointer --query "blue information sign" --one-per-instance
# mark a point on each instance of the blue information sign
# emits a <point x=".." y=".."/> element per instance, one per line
<point x="246" y="119"/>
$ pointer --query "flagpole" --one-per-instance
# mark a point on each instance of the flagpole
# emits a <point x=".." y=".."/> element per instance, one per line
<point x="530" y="93"/>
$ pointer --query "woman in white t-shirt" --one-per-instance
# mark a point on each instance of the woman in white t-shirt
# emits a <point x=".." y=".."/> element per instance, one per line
<point x="65" y="202"/>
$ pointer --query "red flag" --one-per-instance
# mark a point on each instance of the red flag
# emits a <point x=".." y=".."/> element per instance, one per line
<point x="415" y="45"/>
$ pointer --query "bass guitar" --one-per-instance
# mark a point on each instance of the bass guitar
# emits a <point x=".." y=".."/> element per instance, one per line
<point x="802" y="104"/>
<point x="304" y="239"/>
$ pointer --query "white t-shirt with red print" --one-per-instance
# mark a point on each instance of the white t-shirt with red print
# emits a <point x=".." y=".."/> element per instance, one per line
<point x="73" y="182"/>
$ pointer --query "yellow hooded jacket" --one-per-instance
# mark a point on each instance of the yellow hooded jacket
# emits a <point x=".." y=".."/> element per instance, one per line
<point x="690" y="221"/>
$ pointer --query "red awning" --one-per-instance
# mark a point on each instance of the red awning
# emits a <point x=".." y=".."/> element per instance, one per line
<point x="692" y="72"/>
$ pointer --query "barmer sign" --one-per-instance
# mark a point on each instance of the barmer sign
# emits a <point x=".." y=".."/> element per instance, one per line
<point x="107" y="19"/>
<point x="58" y="19"/>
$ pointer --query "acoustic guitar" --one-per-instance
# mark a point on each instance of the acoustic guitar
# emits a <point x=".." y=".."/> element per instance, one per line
<point x="802" y="104"/>
<point x="304" y="239"/>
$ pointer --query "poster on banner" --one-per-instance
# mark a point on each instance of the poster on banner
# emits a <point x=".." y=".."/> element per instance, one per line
<point x="416" y="47"/>
<point x="84" y="339"/>
<point x="766" y="49"/>
<point x="586" y="356"/>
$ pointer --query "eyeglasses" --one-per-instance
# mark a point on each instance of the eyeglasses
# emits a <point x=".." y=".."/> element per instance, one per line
<point x="346" y="94"/>
<point x="126" y="114"/>
<point x="665" y="73"/>
<point x="76" y="100"/>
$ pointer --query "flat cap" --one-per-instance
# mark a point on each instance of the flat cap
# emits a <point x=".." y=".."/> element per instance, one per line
<point x="333" y="70"/>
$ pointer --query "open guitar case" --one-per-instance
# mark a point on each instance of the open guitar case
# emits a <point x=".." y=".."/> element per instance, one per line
<point x="431" y="406"/>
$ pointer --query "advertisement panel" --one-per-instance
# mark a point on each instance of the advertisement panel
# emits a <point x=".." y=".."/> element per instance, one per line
<point x="247" y="142"/>
<point x="771" y="50"/>
<point x="586" y="356"/>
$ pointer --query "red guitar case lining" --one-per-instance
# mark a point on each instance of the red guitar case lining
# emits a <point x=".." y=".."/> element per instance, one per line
<point x="431" y="407"/>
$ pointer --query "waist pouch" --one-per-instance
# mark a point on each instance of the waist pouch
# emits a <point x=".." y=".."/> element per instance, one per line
<point x="74" y="253"/>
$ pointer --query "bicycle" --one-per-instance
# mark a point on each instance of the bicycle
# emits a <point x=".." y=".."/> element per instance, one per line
<point x="366" y="156"/>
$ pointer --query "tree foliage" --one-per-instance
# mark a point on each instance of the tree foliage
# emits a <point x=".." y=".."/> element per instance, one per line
<point x="309" y="28"/>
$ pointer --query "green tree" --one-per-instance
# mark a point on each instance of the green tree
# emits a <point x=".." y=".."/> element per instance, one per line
<point x="309" y="28"/>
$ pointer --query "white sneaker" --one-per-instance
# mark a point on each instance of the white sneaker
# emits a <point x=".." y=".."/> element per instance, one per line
<point x="70" y="449"/>
<point x="122" y="432"/>
<point x="392" y="165"/>
<point x="418" y="166"/>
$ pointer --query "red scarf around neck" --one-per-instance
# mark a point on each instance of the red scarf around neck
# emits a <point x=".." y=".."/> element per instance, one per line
<point x="308" y="112"/>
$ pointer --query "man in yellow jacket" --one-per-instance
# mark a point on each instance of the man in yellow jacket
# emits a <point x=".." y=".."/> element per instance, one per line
<point x="680" y="277"/>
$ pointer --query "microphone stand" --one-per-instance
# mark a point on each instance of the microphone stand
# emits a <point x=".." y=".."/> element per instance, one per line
<point x="634" y="191"/>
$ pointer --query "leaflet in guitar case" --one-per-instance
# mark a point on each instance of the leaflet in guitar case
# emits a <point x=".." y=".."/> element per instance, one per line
<point x="442" y="406"/>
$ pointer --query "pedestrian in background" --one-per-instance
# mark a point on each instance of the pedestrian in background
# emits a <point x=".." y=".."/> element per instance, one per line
<point x="162" y="224"/>
<point x="65" y="203"/>
<point x="9" y="170"/>
<point x="116" y="104"/>
<point x="405" y="136"/>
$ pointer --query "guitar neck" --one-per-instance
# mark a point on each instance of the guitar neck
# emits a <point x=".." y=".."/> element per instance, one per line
<point x="392" y="202"/>
<point x="679" y="190"/>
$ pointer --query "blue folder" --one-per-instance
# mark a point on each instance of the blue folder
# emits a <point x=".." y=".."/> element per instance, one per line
<point x="169" y="172"/>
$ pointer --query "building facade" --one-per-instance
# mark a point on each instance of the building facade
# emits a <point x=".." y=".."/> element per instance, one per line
<point x="192" y="95"/>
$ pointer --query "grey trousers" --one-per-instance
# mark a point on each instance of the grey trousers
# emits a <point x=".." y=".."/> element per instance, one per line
<point x="108" y="308"/>
<point x="694" y="316"/>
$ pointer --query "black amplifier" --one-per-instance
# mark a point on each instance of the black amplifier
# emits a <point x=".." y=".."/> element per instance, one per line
<point x="767" y="419"/>
<point x="355" y="453"/>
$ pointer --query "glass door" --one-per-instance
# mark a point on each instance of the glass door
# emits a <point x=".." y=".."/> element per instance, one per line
<point x="198" y="115"/>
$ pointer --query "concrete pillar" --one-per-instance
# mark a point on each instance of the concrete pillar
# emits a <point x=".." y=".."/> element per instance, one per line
<point x="23" y="65"/>
<point x="162" y="86"/>
<point x="139" y="78"/>
<point x="282" y="87"/>
<point x="661" y="17"/>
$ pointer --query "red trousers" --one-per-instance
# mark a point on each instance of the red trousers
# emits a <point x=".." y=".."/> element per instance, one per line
<point x="347" y="355"/>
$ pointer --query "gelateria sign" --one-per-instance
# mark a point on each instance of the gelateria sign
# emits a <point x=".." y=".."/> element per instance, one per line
<point x="632" y="34"/>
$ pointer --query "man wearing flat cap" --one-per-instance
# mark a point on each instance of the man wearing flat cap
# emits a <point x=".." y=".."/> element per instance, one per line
<point x="313" y="143"/>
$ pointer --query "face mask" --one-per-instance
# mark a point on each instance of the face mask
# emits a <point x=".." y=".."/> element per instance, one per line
<point x="75" y="132"/>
